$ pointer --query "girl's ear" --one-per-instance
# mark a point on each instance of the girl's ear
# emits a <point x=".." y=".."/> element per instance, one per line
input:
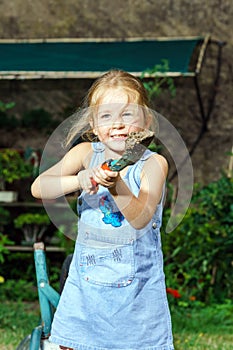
<point x="94" y="131"/>
<point x="148" y="120"/>
<point x="92" y="126"/>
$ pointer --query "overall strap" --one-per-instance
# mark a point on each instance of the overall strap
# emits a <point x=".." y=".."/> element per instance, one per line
<point x="98" y="154"/>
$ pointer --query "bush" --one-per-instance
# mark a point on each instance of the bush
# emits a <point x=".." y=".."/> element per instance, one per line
<point x="13" y="167"/>
<point x="38" y="118"/>
<point x="5" y="218"/>
<point x="198" y="253"/>
<point x="4" y="240"/>
<point x="7" y="122"/>
<point x="158" y="81"/>
<point x="18" y="290"/>
<point x="33" y="225"/>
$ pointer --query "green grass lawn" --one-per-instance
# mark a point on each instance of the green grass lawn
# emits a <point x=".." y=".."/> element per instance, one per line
<point x="202" y="328"/>
<point x="16" y="321"/>
<point x="196" y="329"/>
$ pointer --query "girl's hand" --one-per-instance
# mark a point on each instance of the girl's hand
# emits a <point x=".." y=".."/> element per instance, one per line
<point x="85" y="178"/>
<point x="106" y="178"/>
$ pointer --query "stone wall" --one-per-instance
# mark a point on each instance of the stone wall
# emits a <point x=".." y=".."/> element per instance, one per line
<point x="120" y="19"/>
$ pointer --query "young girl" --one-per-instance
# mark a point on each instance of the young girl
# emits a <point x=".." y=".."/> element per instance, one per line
<point x="115" y="295"/>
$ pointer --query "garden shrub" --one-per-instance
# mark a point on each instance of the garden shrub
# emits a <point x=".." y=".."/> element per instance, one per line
<point x="198" y="253"/>
<point x="7" y="122"/>
<point x="18" y="290"/>
<point x="39" y="119"/>
<point x="19" y="276"/>
<point x="155" y="83"/>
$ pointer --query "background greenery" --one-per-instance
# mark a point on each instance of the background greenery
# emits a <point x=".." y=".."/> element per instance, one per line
<point x="198" y="268"/>
<point x="198" y="253"/>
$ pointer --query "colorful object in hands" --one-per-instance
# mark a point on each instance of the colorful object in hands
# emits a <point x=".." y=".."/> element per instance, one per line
<point x="134" y="148"/>
<point x="135" y="145"/>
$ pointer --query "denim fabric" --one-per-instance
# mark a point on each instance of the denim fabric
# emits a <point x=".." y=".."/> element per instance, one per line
<point x="107" y="267"/>
<point x="115" y="295"/>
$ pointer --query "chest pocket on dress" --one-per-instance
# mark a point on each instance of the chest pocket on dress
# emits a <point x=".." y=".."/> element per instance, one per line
<point x="108" y="267"/>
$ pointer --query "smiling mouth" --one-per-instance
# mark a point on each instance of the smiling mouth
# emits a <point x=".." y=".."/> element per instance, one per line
<point x="119" y="137"/>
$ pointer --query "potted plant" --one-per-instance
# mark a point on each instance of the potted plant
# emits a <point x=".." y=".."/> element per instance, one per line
<point x="12" y="167"/>
<point x="33" y="226"/>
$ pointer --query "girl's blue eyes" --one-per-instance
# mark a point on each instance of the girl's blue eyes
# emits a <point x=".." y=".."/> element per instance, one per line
<point x="124" y="116"/>
<point x="105" y="116"/>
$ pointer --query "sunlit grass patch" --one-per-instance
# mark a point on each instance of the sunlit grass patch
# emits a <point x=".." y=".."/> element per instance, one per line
<point x="203" y="341"/>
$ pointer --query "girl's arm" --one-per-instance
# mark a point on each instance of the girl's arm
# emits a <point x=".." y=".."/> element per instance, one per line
<point x="139" y="210"/>
<point x="62" y="178"/>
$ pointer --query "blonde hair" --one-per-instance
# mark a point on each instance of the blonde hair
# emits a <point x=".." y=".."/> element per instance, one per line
<point x="118" y="79"/>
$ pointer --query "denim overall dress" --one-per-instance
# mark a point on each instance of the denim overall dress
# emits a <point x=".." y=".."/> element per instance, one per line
<point x="115" y="296"/>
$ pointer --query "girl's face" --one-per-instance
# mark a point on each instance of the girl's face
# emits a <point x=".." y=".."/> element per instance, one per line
<point x="115" y="118"/>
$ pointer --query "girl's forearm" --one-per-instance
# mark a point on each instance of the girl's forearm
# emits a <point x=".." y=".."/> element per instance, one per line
<point x="135" y="210"/>
<point x="51" y="186"/>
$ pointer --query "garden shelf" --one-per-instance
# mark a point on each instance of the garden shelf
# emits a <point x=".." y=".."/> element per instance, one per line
<point x="17" y="208"/>
<point x="20" y="248"/>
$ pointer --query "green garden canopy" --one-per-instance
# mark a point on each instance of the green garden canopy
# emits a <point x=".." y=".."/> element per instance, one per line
<point x="88" y="58"/>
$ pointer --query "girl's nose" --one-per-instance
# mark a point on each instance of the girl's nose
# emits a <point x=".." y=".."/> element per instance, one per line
<point x="118" y="122"/>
